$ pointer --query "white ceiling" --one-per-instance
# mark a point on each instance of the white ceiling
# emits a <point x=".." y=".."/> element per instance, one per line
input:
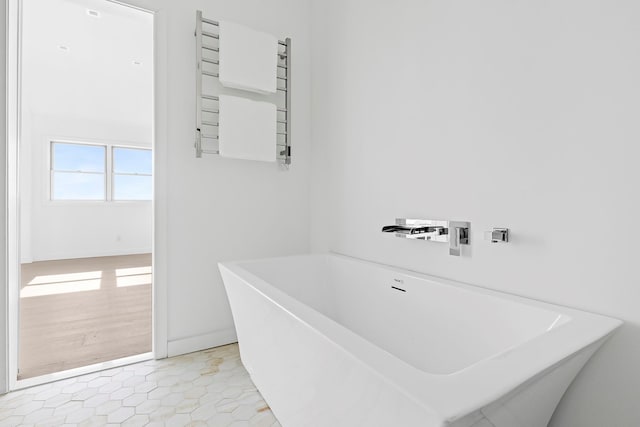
<point x="95" y="77"/>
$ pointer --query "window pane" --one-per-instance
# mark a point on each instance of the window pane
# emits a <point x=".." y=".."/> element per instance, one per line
<point x="78" y="157"/>
<point x="131" y="160"/>
<point x="131" y="187"/>
<point x="77" y="186"/>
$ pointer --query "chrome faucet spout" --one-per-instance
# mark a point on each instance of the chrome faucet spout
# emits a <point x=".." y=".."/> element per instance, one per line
<point x="414" y="230"/>
<point x="456" y="233"/>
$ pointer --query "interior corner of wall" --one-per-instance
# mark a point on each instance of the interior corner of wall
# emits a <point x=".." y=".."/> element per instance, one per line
<point x="186" y="345"/>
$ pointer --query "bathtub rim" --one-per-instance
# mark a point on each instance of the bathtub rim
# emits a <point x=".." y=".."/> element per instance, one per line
<point x="455" y="395"/>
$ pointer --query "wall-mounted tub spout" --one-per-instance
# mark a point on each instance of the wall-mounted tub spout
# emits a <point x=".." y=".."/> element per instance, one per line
<point x="456" y="233"/>
<point x="415" y="232"/>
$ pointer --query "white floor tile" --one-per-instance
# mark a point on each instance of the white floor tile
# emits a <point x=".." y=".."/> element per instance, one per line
<point x="207" y="388"/>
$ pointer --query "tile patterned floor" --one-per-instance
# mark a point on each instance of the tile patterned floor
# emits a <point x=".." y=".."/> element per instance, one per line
<point x="207" y="388"/>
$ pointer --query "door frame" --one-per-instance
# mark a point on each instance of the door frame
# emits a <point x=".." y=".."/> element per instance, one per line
<point x="12" y="198"/>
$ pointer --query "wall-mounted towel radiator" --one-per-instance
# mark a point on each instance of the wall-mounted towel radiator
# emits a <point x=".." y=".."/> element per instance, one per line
<point x="207" y="106"/>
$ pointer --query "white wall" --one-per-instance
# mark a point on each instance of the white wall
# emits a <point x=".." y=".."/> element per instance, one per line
<point x="3" y="210"/>
<point x="222" y="209"/>
<point x="91" y="92"/>
<point x="514" y="114"/>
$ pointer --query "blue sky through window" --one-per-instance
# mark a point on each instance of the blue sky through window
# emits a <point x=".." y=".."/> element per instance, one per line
<point x="77" y="157"/>
<point x="78" y="186"/>
<point x="131" y="160"/>
<point x="131" y="187"/>
<point x="79" y="172"/>
<point x="132" y="174"/>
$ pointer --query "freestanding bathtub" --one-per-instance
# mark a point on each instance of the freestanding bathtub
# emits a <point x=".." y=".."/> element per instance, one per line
<point x="332" y="341"/>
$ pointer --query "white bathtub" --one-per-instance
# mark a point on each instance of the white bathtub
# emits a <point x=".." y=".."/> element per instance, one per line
<point x="331" y="341"/>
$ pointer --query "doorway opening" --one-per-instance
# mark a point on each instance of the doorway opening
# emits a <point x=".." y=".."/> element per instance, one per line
<point x="85" y="187"/>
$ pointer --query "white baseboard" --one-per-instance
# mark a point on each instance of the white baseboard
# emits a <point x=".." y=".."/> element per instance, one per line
<point x="201" y="342"/>
<point x="90" y="254"/>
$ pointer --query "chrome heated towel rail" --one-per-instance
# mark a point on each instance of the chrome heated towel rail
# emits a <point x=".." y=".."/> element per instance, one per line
<point x="207" y="105"/>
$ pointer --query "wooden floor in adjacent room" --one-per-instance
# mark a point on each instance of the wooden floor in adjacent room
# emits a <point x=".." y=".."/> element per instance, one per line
<point x="78" y="312"/>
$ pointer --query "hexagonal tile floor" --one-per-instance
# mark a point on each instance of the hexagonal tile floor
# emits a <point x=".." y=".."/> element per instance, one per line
<point x="207" y="388"/>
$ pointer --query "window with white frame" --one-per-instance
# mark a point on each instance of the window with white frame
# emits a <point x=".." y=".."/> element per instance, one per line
<point x="100" y="172"/>
<point x="131" y="174"/>
<point x="78" y="171"/>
